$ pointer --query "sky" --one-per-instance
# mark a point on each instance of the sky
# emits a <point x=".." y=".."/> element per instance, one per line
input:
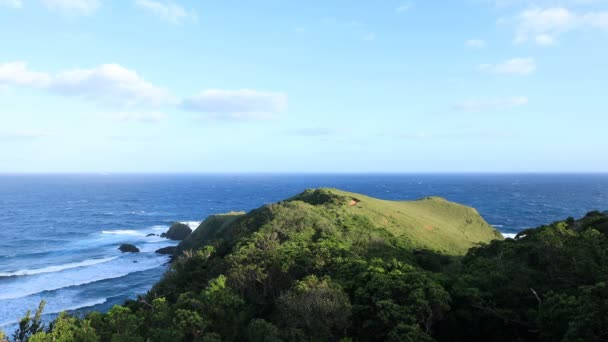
<point x="355" y="86"/>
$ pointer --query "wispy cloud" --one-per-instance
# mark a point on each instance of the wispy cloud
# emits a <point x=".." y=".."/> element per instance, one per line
<point x="145" y="117"/>
<point x="475" y="43"/>
<point x="74" y="7"/>
<point x="491" y="104"/>
<point x="316" y="132"/>
<point x="11" y="3"/>
<point x="244" y="104"/>
<point x="515" y="66"/>
<point x="451" y="136"/>
<point x="20" y="135"/>
<point x="404" y="7"/>
<point x="166" y="10"/>
<point x="543" y="26"/>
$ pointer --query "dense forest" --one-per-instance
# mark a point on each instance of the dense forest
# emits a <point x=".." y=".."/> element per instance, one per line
<point x="332" y="266"/>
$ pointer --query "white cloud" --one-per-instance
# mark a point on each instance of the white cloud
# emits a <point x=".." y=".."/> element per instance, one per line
<point x="139" y="116"/>
<point x="515" y="66"/>
<point x="166" y="10"/>
<point x="116" y="85"/>
<point x="491" y="104"/>
<point x="406" y="6"/>
<point x="543" y="25"/>
<point x="17" y="73"/>
<point x="544" y="39"/>
<point x="108" y="83"/>
<point x="510" y="3"/>
<point x="475" y="43"/>
<point x="11" y="3"/>
<point x="237" y="104"/>
<point x="82" y="7"/>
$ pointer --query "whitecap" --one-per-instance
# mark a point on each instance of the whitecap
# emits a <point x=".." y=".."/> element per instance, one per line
<point x="509" y="235"/>
<point x="56" y="268"/>
<point x="122" y="232"/>
<point x="113" y="269"/>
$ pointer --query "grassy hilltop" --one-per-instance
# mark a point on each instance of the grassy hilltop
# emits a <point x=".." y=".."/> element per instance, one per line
<point x="328" y="265"/>
<point x="431" y="223"/>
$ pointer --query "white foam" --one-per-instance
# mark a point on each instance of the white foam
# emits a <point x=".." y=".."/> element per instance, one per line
<point x="56" y="268"/>
<point x="509" y="235"/>
<point x="116" y="268"/>
<point x="83" y="305"/>
<point x="122" y="232"/>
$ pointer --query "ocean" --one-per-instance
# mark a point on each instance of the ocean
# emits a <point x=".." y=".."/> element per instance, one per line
<point x="59" y="234"/>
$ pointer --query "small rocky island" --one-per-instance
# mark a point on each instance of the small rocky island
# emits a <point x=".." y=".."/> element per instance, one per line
<point x="128" y="248"/>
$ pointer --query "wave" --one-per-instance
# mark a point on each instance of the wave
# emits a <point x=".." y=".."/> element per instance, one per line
<point x="56" y="268"/>
<point x="497" y="225"/>
<point x="509" y="235"/>
<point x="122" y="232"/>
<point x="83" y="305"/>
<point x="113" y="269"/>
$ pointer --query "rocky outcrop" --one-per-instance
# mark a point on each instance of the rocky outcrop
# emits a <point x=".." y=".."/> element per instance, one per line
<point x="178" y="232"/>
<point x="128" y="248"/>
<point x="171" y="250"/>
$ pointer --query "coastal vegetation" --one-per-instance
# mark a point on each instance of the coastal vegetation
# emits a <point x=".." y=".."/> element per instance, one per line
<point x="329" y="265"/>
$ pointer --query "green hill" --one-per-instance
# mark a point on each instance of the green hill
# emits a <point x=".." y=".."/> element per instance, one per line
<point x="431" y="223"/>
<point x="328" y="265"/>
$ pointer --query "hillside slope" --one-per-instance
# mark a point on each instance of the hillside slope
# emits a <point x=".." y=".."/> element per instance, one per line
<point x="328" y="265"/>
<point x="431" y="223"/>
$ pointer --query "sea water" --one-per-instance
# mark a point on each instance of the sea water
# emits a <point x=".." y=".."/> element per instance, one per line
<point x="59" y="234"/>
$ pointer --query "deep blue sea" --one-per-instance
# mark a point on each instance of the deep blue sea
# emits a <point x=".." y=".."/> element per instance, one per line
<point x="59" y="234"/>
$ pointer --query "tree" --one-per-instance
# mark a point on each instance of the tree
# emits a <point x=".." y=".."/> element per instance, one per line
<point x="67" y="329"/>
<point x="28" y="325"/>
<point x="315" y="308"/>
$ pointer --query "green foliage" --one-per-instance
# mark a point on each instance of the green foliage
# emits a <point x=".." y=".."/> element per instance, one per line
<point x="334" y="266"/>
<point x="67" y="329"/>
<point x="314" y="309"/>
<point x="534" y="286"/>
<point x="29" y="325"/>
<point x="260" y="330"/>
<point x="394" y="295"/>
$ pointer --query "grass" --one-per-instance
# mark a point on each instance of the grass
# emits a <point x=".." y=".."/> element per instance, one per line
<point x="431" y="223"/>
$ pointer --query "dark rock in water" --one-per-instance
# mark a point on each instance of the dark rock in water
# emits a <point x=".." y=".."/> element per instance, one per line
<point x="167" y="250"/>
<point x="128" y="248"/>
<point x="151" y="234"/>
<point x="178" y="231"/>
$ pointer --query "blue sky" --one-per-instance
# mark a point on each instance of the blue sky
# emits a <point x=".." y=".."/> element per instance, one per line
<point x="303" y="86"/>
